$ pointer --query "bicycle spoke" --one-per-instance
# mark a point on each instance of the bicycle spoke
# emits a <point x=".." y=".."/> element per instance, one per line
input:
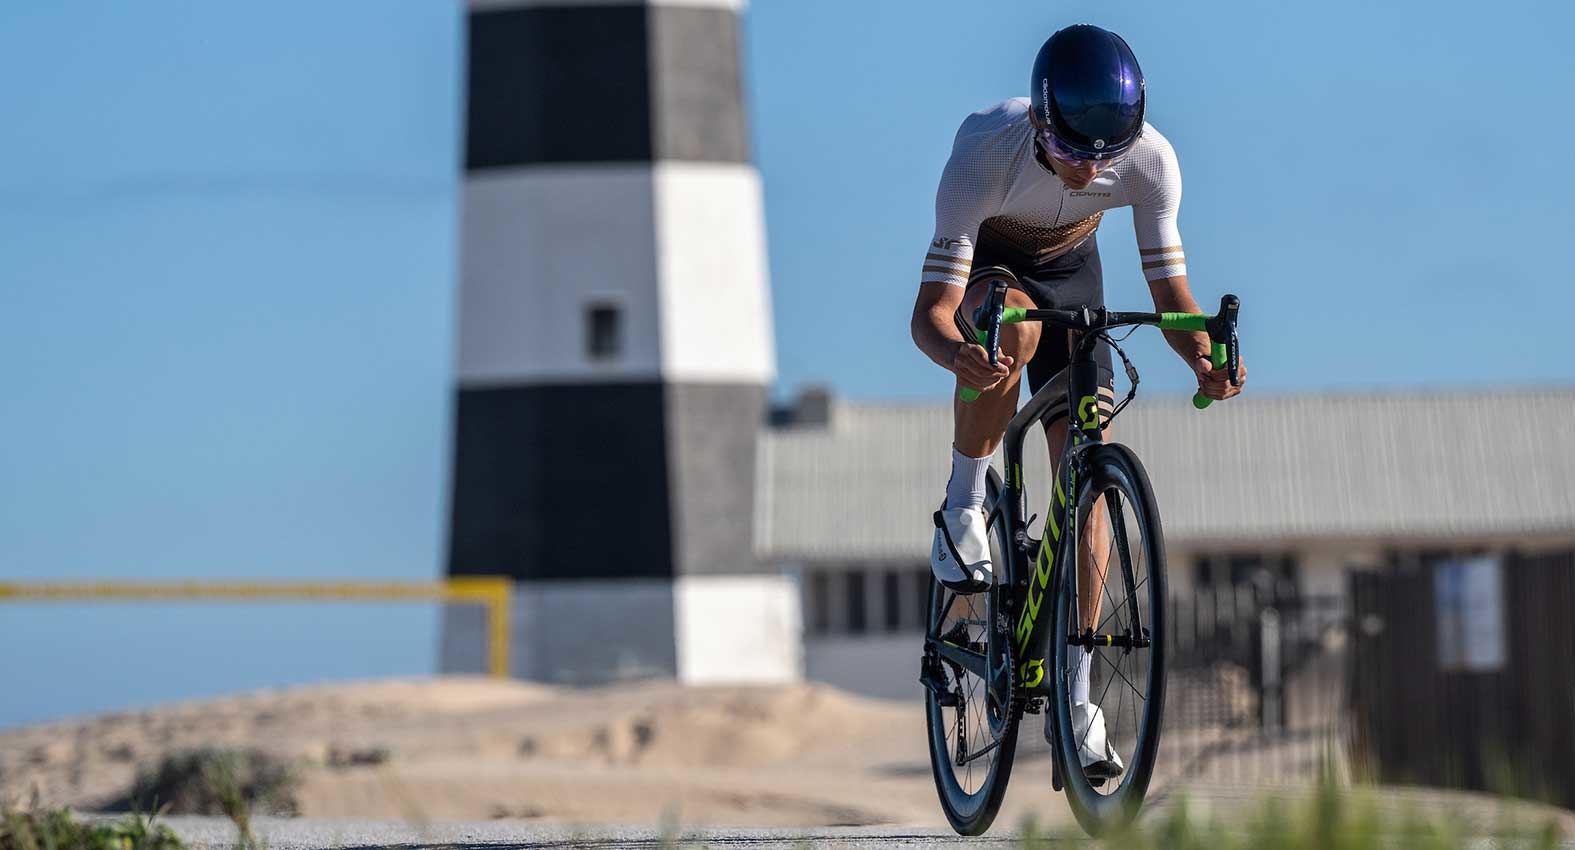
<point x="1105" y="589"/>
<point x="1108" y="683"/>
<point x="1132" y="596"/>
<point x="1134" y="688"/>
<point x="1110" y="730"/>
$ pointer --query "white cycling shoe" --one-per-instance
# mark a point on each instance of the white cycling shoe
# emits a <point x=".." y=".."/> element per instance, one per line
<point x="1100" y="760"/>
<point x="960" y="553"/>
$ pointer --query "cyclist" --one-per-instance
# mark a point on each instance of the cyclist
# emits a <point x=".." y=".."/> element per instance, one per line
<point x="1021" y="197"/>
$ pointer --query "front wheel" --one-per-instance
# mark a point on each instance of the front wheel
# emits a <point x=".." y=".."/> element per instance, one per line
<point x="1110" y="628"/>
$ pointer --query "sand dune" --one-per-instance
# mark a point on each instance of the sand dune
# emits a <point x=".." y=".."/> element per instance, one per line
<point x="466" y="748"/>
<point x="460" y="748"/>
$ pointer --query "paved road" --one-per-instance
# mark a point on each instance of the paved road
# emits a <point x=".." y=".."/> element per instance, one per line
<point x="315" y="834"/>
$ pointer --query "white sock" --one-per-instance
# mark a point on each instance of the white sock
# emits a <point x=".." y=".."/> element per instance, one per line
<point x="965" y="489"/>
<point x="1077" y="680"/>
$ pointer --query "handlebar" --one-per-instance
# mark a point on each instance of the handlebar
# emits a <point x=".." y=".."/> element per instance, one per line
<point x="1224" y="346"/>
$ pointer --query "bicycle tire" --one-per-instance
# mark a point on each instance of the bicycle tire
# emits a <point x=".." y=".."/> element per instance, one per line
<point x="1113" y="468"/>
<point x="972" y="813"/>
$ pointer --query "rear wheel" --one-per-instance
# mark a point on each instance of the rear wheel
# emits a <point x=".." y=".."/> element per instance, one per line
<point x="971" y="713"/>
<point x="1116" y="634"/>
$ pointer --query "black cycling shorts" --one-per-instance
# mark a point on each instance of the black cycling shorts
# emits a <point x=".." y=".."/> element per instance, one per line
<point x="1066" y="282"/>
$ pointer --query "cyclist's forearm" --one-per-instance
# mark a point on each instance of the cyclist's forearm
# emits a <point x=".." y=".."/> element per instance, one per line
<point x="1173" y="295"/>
<point x="932" y="326"/>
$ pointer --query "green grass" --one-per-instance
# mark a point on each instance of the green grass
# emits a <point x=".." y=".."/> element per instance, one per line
<point x="59" y="829"/>
<point x="1330" y="818"/>
<point x="216" y="781"/>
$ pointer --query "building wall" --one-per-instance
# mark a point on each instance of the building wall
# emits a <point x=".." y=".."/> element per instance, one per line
<point x="862" y="637"/>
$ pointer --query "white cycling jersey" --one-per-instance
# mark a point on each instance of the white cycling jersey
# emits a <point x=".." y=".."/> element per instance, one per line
<point x="993" y="176"/>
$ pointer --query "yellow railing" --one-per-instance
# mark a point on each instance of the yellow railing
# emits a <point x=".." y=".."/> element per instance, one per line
<point x="489" y="591"/>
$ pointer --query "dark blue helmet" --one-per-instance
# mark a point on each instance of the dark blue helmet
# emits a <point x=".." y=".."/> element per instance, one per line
<point x="1088" y="92"/>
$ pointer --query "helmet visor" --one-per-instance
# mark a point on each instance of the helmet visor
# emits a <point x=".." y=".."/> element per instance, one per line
<point x="1057" y="149"/>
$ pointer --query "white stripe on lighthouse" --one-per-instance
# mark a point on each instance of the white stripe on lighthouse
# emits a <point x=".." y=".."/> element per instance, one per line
<point x="677" y="248"/>
<point x="542" y="246"/>
<point x="711" y="252"/>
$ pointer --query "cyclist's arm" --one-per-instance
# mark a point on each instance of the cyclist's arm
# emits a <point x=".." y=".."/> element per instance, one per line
<point x="1165" y="263"/>
<point x="972" y="188"/>
<point x="1173" y="295"/>
<point x="932" y="327"/>
<point x="1154" y="215"/>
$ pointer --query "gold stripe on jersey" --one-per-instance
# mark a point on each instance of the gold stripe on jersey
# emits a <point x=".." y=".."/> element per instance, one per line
<point x="1036" y="242"/>
<point x="961" y="263"/>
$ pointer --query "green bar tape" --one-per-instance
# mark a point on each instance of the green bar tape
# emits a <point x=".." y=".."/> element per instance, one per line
<point x="967" y="395"/>
<point x="1013" y="315"/>
<point x="1217" y="356"/>
<point x="1183" y="321"/>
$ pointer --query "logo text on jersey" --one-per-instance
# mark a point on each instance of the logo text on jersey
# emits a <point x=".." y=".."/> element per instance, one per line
<point x="1090" y="194"/>
<point x="946" y="244"/>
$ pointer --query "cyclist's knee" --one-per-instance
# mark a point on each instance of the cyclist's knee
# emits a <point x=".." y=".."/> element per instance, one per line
<point x="1020" y="339"/>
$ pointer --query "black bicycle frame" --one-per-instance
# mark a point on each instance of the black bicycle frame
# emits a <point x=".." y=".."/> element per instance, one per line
<point x="1028" y="585"/>
<point x="1021" y="593"/>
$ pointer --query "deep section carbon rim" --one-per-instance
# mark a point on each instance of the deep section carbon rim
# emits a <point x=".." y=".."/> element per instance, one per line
<point x="1110" y="619"/>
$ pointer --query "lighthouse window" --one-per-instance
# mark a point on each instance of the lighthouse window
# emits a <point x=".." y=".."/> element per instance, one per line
<point x="603" y="331"/>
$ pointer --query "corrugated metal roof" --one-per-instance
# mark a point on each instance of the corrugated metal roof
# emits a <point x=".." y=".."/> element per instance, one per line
<point x="1373" y="466"/>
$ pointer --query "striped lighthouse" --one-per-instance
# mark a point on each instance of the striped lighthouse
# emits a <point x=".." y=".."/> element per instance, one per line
<point x="614" y="347"/>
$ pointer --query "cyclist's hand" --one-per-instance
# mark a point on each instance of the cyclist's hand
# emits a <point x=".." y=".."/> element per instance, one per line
<point x="1215" y="383"/>
<point x="972" y="366"/>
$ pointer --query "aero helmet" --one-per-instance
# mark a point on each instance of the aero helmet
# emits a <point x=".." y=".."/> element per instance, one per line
<point x="1088" y="92"/>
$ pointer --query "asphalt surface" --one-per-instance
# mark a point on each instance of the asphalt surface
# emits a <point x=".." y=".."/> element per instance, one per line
<point x="206" y="833"/>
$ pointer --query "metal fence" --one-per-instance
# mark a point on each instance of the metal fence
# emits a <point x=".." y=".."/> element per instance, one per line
<point x="1256" y="686"/>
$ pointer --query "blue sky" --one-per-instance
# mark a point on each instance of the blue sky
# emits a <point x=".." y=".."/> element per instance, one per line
<point x="227" y="253"/>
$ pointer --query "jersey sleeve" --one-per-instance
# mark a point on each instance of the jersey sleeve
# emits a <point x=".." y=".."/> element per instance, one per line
<point x="973" y="188"/>
<point x="1154" y="211"/>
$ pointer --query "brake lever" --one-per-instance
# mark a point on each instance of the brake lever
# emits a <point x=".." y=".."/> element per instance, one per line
<point x="1233" y="357"/>
<point x="988" y="320"/>
<point x="997" y="306"/>
<point x="1230" y="308"/>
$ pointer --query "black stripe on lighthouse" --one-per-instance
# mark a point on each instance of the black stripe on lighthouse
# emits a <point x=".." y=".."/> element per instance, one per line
<point x="604" y="84"/>
<point x="551" y="482"/>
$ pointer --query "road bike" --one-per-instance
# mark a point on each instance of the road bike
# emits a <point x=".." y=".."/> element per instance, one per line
<point x="1090" y="591"/>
